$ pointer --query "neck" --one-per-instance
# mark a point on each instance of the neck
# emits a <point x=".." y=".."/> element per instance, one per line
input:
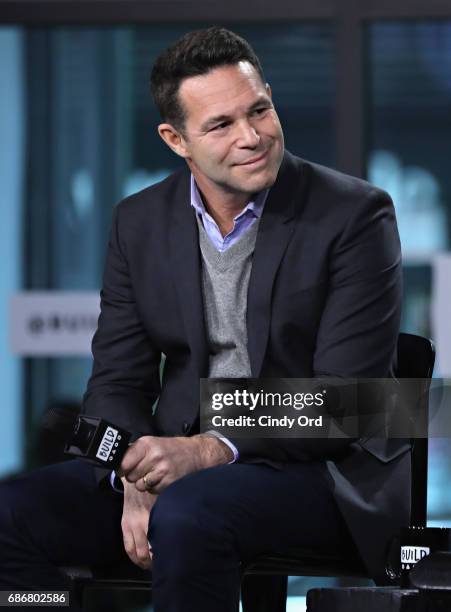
<point x="224" y="213"/>
<point x="223" y="207"/>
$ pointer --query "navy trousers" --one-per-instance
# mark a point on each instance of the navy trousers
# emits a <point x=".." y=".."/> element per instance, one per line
<point x="202" y="529"/>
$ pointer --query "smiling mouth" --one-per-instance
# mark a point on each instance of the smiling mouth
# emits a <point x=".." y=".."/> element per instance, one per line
<point x="254" y="160"/>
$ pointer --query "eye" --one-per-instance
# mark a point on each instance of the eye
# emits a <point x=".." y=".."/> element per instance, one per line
<point x="220" y="126"/>
<point x="260" y="110"/>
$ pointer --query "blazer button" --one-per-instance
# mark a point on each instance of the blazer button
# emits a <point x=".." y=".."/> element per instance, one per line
<point x="186" y="427"/>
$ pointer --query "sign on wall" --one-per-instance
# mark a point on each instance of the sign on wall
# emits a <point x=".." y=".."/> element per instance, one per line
<point x="53" y="323"/>
<point x="441" y="312"/>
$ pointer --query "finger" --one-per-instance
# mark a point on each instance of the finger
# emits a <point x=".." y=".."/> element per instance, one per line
<point x="152" y="480"/>
<point x="133" y="457"/>
<point x="145" y="466"/>
<point x="146" y="454"/>
<point x="136" y="553"/>
<point x="151" y="459"/>
<point x="142" y="549"/>
<point x="160" y="485"/>
<point x="129" y="545"/>
<point x="141" y="486"/>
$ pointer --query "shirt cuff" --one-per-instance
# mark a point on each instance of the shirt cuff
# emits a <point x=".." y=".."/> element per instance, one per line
<point x="233" y="448"/>
<point x="113" y="481"/>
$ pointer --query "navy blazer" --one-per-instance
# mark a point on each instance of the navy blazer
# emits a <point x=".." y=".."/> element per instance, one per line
<point x="324" y="299"/>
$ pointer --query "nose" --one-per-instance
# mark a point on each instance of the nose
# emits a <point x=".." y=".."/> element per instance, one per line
<point x="248" y="137"/>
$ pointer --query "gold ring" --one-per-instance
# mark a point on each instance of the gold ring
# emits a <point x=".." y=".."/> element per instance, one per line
<point x="148" y="485"/>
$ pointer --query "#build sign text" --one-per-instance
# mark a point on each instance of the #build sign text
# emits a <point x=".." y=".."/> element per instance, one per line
<point x="53" y="323"/>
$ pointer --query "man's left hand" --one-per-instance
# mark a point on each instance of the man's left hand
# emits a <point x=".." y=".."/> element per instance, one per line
<point x="153" y="463"/>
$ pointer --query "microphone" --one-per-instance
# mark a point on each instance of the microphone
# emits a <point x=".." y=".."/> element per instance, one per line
<point x="98" y="441"/>
<point x="53" y="429"/>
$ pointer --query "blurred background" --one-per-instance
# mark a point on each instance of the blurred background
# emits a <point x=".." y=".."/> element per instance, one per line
<point x="362" y="88"/>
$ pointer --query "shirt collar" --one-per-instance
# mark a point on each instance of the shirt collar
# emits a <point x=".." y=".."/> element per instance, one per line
<point x="255" y="206"/>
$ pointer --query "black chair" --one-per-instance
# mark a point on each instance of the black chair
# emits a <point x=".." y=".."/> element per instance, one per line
<point x="416" y="356"/>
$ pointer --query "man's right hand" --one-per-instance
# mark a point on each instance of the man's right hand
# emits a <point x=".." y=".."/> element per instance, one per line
<point x="135" y="523"/>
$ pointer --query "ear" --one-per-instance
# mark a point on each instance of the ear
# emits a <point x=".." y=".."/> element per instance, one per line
<point x="173" y="138"/>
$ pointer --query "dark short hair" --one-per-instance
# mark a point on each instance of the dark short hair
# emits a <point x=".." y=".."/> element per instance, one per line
<point x="194" y="54"/>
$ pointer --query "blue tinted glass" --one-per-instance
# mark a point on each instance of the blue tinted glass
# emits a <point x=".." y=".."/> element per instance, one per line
<point x="12" y="165"/>
<point x="409" y="137"/>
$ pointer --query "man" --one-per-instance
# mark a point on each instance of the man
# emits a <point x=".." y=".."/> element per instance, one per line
<point x="246" y="262"/>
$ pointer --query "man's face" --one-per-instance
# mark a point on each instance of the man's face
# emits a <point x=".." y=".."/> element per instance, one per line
<point x="232" y="138"/>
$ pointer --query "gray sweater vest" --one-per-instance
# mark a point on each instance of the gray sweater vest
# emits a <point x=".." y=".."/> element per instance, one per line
<point x="225" y="282"/>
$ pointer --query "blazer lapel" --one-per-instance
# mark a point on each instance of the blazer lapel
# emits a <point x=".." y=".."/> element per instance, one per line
<point x="186" y="267"/>
<point x="274" y="232"/>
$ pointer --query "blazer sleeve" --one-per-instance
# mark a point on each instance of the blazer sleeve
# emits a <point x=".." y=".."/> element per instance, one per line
<point x="359" y="325"/>
<point x="125" y="380"/>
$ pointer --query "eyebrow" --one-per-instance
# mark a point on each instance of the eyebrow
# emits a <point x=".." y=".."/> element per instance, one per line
<point x="222" y="118"/>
